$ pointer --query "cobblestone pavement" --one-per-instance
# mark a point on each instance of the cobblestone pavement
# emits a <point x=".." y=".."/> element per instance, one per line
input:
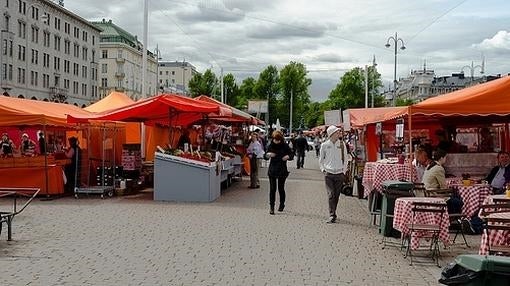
<point x="233" y="241"/>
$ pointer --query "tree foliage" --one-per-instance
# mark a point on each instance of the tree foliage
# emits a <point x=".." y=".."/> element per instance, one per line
<point x="294" y="84"/>
<point x="268" y="87"/>
<point x="203" y="84"/>
<point x="350" y="91"/>
<point x="403" y="102"/>
<point x="230" y="89"/>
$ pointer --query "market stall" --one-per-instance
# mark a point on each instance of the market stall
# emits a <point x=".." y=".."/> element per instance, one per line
<point x="45" y="126"/>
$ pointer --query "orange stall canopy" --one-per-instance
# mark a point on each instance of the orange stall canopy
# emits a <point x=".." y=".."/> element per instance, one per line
<point x="166" y="109"/>
<point x="25" y="112"/>
<point x="113" y="101"/>
<point x="486" y="99"/>
<point x="359" y="117"/>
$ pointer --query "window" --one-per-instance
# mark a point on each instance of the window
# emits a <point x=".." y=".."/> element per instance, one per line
<point x="56" y="81"/>
<point x="75" y="87"/>
<point x="76" y="50"/>
<point x="66" y="83"/>
<point x="22" y="7"/>
<point x="32" y="76"/>
<point x="57" y="23"/>
<point x="84" y="36"/>
<point x="119" y="83"/>
<point x="35" y="34"/>
<point x="46" y="80"/>
<point x="84" y="71"/>
<point x="83" y="89"/>
<point x="160" y="73"/>
<point x="57" y="43"/>
<point x="35" y="57"/>
<point x="46" y="39"/>
<point x="35" y="13"/>
<point x="46" y="19"/>
<point x="56" y="63"/>
<point x="67" y="47"/>
<point x="4" y="47"/>
<point x="104" y="54"/>
<point x="76" y="32"/>
<point x="22" y="29"/>
<point x="4" y="71"/>
<point x="173" y="72"/>
<point x="46" y="60"/>
<point x="66" y="66"/>
<point x="10" y="72"/>
<point x="84" y="53"/>
<point x="7" y="24"/>
<point x="104" y="82"/>
<point x="93" y="40"/>
<point x="21" y="53"/>
<point x="93" y="56"/>
<point x="104" y="68"/>
<point x="10" y="48"/>
<point x="166" y="72"/>
<point x="21" y="75"/>
<point x="7" y="3"/>
<point x="76" y="68"/>
<point x="67" y="28"/>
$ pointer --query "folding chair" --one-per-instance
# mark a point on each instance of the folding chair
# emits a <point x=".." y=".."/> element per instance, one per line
<point x="497" y="224"/>
<point x="433" y="229"/>
<point x="8" y="216"/>
<point x="419" y="189"/>
<point x="455" y="218"/>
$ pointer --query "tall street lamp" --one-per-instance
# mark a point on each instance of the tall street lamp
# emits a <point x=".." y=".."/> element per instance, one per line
<point x="157" y="53"/>
<point x="472" y="68"/>
<point x="395" y="40"/>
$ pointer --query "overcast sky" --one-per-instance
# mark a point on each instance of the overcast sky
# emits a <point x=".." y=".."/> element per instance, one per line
<point x="328" y="36"/>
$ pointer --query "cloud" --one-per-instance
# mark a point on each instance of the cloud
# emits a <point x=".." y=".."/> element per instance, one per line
<point x="294" y="30"/>
<point x="500" y="41"/>
<point x="331" y="58"/>
<point x="203" y="13"/>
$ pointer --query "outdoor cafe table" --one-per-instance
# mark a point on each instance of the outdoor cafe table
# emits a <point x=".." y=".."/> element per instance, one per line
<point x="490" y="199"/>
<point x="375" y="173"/>
<point x="403" y="215"/>
<point x="498" y="237"/>
<point x="472" y="196"/>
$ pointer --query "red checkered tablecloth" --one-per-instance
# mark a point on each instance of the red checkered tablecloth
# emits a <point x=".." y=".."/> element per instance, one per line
<point x="403" y="215"/>
<point x="473" y="196"/>
<point x="490" y="199"/>
<point x="498" y="237"/>
<point x="376" y="173"/>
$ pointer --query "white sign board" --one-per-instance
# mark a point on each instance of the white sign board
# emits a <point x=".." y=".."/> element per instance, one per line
<point x="257" y="106"/>
<point x="332" y="117"/>
<point x="347" y="120"/>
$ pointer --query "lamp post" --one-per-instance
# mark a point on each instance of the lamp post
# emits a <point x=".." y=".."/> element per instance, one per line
<point x="472" y="68"/>
<point x="395" y="40"/>
<point x="157" y="52"/>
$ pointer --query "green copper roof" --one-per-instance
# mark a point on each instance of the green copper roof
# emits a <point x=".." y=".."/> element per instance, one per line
<point x="112" y="33"/>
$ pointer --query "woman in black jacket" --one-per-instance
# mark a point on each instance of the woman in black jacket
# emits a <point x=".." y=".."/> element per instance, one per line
<point x="279" y="153"/>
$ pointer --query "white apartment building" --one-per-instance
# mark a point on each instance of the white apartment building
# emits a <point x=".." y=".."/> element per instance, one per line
<point x="120" y="63"/>
<point x="47" y="53"/>
<point x="175" y="76"/>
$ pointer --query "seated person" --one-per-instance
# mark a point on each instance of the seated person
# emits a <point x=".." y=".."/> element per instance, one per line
<point x="183" y="139"/>
<point x="434" y="176"/>
<point x="27" y="146"/>
<point x="499" y="176"/>
<point x="6" y="146"/>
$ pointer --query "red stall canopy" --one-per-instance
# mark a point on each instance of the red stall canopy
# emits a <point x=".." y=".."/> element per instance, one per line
<point x="168" y="109"/>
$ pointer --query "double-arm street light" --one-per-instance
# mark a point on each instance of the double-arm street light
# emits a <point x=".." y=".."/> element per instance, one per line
<point x="472" y="68"/>
<point x="395" y="40"/>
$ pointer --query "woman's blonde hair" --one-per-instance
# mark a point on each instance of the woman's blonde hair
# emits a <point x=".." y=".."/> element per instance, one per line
<point x="278" y="135"/>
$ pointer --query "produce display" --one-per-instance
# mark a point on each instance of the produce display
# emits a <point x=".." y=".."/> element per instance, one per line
<point x="202" y="156"/>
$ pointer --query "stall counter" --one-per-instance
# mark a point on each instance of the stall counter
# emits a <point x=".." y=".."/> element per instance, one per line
<point x="34" y="177"/>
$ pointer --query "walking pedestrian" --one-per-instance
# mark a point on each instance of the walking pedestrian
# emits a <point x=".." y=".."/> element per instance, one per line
<point x="279" y="153"/>
<point x="301" y="145"/>
<point x="332" y="161"/>
<point x="255" y="152"/>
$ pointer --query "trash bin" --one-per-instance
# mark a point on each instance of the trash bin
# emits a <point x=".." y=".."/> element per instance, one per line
<point x="359" y="186"/>
<point x="475" y="270"/>
<point x="391" y="191"/>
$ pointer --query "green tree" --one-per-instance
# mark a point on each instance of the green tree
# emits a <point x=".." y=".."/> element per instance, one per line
<point x="268" y="88"/>
<point x="403" y="102"/>
<point x="293" y="81"/>
<point x="350" y="91"/>
<point x="231" y="90"/>
<point x="203" y="84"/>
<point x="246" y="91"/>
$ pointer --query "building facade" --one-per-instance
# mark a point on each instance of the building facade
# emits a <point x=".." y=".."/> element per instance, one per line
<point x="47" y="53"/>
<point x="120" y="63"/>
<point x="175" y="76"/>
<point x="423" y="84"/>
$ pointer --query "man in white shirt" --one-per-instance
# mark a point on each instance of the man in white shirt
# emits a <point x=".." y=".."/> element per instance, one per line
<point x="333" y="161"/>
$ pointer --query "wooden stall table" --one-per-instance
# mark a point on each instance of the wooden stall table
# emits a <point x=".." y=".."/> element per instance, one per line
<point x="34" y="177"/>
<point x="495" y="237"/>
<point x="472" y="196"/>
<point x="403" y="215"/>
<point x="375" y="173"/>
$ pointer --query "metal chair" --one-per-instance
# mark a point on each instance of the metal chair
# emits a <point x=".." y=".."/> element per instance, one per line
<point x="8" y="216"/>
<point x="497" y="224"/>
<point x="433" y="230"/>
<point x="456" y="219"/>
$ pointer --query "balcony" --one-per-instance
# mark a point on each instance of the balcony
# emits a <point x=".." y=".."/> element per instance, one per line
<point x="120" y="59"/>
<point x="120" y="74"/>
<point x="58" y="94"/>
